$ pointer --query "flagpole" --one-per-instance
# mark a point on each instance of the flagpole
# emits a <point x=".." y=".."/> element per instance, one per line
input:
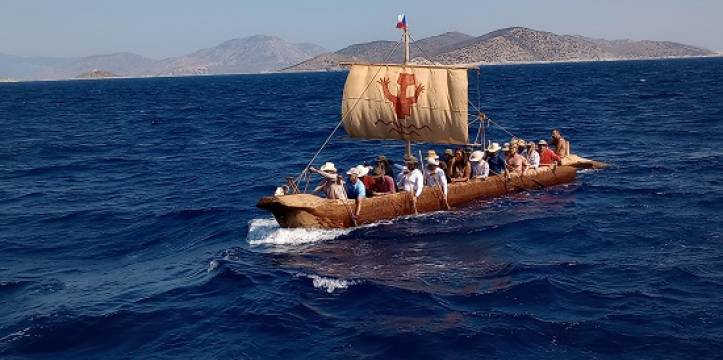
<point x="408" y="144"/>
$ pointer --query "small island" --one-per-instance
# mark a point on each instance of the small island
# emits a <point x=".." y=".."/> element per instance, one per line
<point x="96" y="74"/>
<point x="6" y="80"/>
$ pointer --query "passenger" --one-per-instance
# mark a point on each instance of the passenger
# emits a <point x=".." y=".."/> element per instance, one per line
<point x="516" y="163"/>
<point x="442" y="164"/>
<point x="365" y="177"/>
<point x="412" y="181"/>
<point x="562" y="146"/>
<point x="460" y="169"/>
<point x="447" y="160"/>
<point x="383" y="184"/>
<point x="332" y="185"/>
<point x="480" y="167"/>
<point x="522" y="148"/>
<point x="435" y="178"/>
<point x="533" y="157"/>
<point x="355" y="190"/>
<point x="547" y="156"/>
<point x="384" y="164"/>
<point x="495" y="161"/>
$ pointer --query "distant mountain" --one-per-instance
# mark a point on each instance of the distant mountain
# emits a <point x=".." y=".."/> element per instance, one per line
<point x="378" y="51"/>
<point x="510" y="45"/>
<point x="519" y="44"/>
<point x="252" y="54"/>
<point x="263" y="53"/>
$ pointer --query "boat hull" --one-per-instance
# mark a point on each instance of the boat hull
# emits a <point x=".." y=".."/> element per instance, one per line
<point x="310" y="211"/>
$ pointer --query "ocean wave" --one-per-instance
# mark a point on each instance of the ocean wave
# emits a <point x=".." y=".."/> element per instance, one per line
<point x="328" y="284"/>
<point x="268" y="232"/>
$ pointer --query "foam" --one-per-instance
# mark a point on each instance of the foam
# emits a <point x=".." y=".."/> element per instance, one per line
<point x="268" y="232"/>
<point x="329" y="284"/>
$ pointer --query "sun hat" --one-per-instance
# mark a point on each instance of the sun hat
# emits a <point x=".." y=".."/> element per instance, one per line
<point x="363" y="170"/>
<point x="432" y="154"/>
<point x="359" y="170"/>
<point x="521" y="143"/>
<point x="449" y="152"/>
<point x="381" y="158"/>
<point x="494" y="147"/>
<point x="476" y="156"/>
<point x="432" y="161"/>
<point x="328" y="166"/>
<point x="542" y="142"/>
<point x="411" y="159"/>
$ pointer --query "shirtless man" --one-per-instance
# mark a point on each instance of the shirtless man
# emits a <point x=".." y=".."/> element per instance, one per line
<point x="516" y="163"/>
<point x="562" y="146"/>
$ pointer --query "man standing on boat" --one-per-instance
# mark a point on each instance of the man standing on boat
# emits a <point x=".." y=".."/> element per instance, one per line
<point x="412" y="181"/>
<point x="355" y="190"/>
<point x="435" y="178"/>
<point x="562" y="146"/>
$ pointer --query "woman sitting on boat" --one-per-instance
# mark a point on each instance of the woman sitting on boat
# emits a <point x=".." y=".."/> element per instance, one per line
<point x="460" y="169"/>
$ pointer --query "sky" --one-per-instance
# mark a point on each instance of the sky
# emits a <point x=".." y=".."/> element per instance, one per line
<point x="165" y="28"/>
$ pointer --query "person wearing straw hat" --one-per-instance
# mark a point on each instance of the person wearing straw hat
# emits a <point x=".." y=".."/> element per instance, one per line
<point x="355" y="189"/>
<point x="480" y="167"/>
<point x="442" y="164"/>
<point x="412" y="180"/>
<point x="435" y="178"/>
<point x="332" y="185"/>
<point x="494" y="160"/>
<point x="547" y="156"/>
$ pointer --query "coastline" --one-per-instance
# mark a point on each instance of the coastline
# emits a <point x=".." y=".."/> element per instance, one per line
<point x="480" y="64"/>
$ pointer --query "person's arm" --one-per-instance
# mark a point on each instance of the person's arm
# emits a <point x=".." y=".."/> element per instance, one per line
<point x="419" y="185"/>
<point x="467" y="171"/>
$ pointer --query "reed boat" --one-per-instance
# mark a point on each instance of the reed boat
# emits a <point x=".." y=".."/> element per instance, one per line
<point x="410" y="103"/>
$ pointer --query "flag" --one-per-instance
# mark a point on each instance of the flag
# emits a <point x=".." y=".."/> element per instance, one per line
<point x="402" y="22"/>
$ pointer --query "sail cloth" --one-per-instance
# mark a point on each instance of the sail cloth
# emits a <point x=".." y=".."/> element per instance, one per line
<point x="406" y="102"/>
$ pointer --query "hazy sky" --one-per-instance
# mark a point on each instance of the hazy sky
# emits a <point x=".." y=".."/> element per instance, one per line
<point x="162" y="28"/>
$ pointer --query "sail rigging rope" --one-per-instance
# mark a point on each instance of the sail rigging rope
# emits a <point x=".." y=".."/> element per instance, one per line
<point x="338" y="125"/>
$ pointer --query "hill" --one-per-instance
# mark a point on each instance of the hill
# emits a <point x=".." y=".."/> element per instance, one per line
<point x="378" y="51"/>
<point x="509" y="45"/>
<point x="252" y="54"/>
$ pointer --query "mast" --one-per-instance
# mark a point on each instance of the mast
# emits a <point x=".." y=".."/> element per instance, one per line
<point x="408" y="144"/>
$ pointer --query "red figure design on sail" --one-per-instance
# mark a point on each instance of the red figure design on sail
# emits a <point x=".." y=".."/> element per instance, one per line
<point x="402" y="103"/>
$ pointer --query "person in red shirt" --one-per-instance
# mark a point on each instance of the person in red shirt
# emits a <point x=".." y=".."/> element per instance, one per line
<point x="382" y="184"/>
<point x="547" y="156"/>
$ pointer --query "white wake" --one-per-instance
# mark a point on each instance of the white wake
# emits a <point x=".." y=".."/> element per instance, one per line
<point x="268" y="232"/>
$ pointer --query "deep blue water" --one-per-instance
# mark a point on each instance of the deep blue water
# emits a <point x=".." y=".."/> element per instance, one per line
<point x="128" y="227"/>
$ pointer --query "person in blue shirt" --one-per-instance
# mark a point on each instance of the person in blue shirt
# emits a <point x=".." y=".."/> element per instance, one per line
<point x="355" y="190"/>
<point x="496" y="162"/>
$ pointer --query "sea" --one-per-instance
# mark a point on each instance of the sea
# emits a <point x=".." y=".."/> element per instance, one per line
<point x="128" y="226"/>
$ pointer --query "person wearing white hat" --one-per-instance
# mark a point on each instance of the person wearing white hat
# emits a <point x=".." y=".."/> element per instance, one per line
<point x="494" y="160"/>
<point x="435" y="178"/>
<point x="355" y="188"/>
<point x="547" y="156"/>
<point x="332" y="184"/>
<point x="480" y="168"/>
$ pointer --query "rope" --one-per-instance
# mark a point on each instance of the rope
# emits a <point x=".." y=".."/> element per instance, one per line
<point x="426" y="56"/>
<point x="338" y="125"/>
